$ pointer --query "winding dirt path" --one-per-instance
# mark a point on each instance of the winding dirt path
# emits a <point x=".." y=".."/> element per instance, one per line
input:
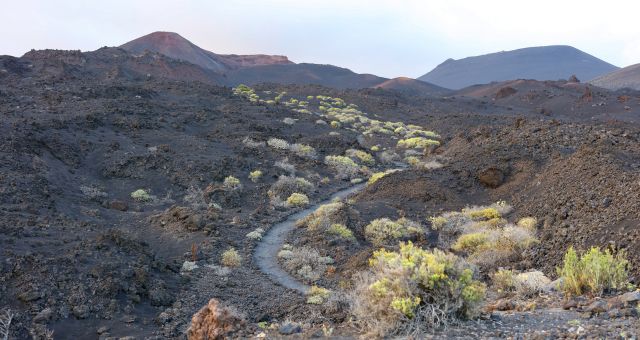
<point x="266" y="252"/>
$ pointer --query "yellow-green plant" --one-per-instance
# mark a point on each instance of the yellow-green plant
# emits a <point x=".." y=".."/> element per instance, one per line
<point x="297" y="200"/>
<point x="400" y="282"/>
<point x="472" y="243"/>
<point x="141" y="195"/>
<point x="317" y="295"/>
<point x="384" y="231"/>
<point x="417" y="143"/>
<point x="231" y="258"/>
<point x="231" y="183"/>
<point x="376" y="176"/>
<point x="595" y="272"/>
<point x="255" y="176"/>
<point x="341" y="231"/>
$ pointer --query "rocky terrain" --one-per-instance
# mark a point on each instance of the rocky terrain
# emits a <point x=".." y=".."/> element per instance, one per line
<point x="137" y="193"/>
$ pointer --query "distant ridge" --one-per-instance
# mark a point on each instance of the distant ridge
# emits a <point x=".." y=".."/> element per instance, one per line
<point x="538" y="63"/>
<point x="628" y="77"/>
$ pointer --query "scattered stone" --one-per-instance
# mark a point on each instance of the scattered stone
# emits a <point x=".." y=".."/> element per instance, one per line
<point x="81" y="312"/>
<point x="597" y="307"/>
<point x="43" y="316"/>
<point x="188" y="266"/>
<point x="570" y="304"/>
<point x="103" y="329"/>
<point x="289" y="328"/>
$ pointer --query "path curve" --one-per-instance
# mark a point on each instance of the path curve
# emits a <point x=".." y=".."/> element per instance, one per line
<point x="266" y="252"/>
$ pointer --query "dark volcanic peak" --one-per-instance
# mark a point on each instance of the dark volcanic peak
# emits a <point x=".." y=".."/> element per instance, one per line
<point x="175" y="46"/>
<point x="628" y="77"/>
<point x="539" y="63"/>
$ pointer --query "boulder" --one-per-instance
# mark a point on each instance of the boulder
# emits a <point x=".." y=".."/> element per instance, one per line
<point x="213" y="322"/>
<point x="491" y="177"/>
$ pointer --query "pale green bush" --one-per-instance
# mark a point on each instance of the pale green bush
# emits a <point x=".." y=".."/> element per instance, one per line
<point x="595" y="272"/>
<point x="297" y="200"/>
<point x="255" y="176"/>
<point x="384" y="231"/>
<point x="231" y="183"/>
<point x="344" y="167"/>
<point x="231" y="258"/>
<point x="141" y="195"/>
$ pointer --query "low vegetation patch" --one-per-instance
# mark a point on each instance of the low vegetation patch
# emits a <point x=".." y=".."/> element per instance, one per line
<point x="323" y="218"/>
<point x="141" y="195"/>
<point x="304" y="262"/>
<point x="231" y="183"/>
<point x="344" y="167"/>
<point x="384" y="231"/>
<point x="508" y="282"/>
<point x="297" y="200"/>
<point x="318" y="295"/>
<point x="255" y="176"/>
<point x="595" y="272"/>
<point x="411" y="290"/>
<point x="231" y="258"/>
<point x="341" y="231"/>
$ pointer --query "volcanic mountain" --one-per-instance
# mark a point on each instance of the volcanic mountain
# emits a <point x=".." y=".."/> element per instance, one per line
<point x="538" y="63"/>
<point x="173" y="45"/>
<point x="628" y="77"/>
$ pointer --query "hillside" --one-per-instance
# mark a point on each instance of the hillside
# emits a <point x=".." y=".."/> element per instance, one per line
<point x="538" y="63"/>
<point x="175" y="46"/>
<point x="411" y="86"/>
<point x="628" y="77"/>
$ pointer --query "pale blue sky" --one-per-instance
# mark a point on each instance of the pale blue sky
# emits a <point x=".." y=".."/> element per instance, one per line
<point x="387" y="38"/>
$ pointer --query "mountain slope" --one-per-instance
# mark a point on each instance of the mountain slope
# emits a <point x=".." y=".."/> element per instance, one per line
<point x="175" y="46"/>
<point x="628" y="77"/>
<point x="539" y="63"/>
<point x="411" y="86"/>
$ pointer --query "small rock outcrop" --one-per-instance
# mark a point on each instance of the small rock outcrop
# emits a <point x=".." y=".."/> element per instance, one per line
<point x="214" y="321"/>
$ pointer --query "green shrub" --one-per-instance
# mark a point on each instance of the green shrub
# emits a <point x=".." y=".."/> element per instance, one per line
<point x="278" y="143"/>
<point x="317" y="295"/>
<point x="255" y="176"/>
<point x="231" y="258"/>
<point x="141" y="195"/>
<point x="595" y="272"/>
<point x="362" y="156"/>
<point x="305" y="263"/>
<point x="484" y="214"/>
<point x="528" y="222"/>
<point x="417" y="143"/>
<point x="231" y="183"/>
<point x="417" y="286"/>
<point x="344" y="167"/>
<point x="322" y="218"/>
<point x="472" y="243"/>
<point x="297" y="200"/>
<point x="384" y="231"/>
<point x="341" y="231"/>
<point x="376" y="176"/>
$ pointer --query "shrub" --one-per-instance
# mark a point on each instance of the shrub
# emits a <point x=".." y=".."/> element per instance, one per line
<point x="231" y="258"/>
<point x="375" y="177"/>
<point x="522" y="284"/>
<point x="384" y="231"/>
<point x="231" y="183"/>
<point x="472" y="243"/>
<point x="528" y="223"/>
<point x="335" y="124"/>
<point x="304" y="151"/>
<point x="344" y="167"/>
<point x="596" y="272"/>
<point x="317" y="295"/>
<point x="289" y="121"/>
<point x="341" y="231"/>
<point x="92" y="193"/>
<point x="362" y="156"/>
<point x="322" y="218"/>
<point x="297" y="200"/>
<point x="195" y="198"/>
<point x="256" y="234"/>
<point x="375" y="148"/>
<point x="286" y="166"/>
<point x="483" y="214"/>
<point x="417" y="143"/>
<point x="305" y="263"/>
<point x="287" y="185"/>
<point x="278" y="143"/>
<point x="417" y="287"/>
<point x="255" y="176"/>
<point x="141" y="195"/>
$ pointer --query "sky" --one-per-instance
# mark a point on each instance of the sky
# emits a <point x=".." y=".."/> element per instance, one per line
<point x="386" y="38"/>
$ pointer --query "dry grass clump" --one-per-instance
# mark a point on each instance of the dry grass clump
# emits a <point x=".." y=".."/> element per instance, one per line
<point x="344" y="167"/>
<point x="286" y="166"/>
<point x="323" y="218"/>
<point x="195" y="198"/>
<point x="594" y="272"/>
<point x="411" y="290"/>
<point x="483" y="234"/>
<point x="507" y="282"/>
<point x="417" y="143"/>
<point x="252" y="144"/>
<point x="384" y="231"/>
<point x="304" y="262"/>
<point x="231" y="258"/>
<point x="297" y="200"/>
<point x="256" y="234"/>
